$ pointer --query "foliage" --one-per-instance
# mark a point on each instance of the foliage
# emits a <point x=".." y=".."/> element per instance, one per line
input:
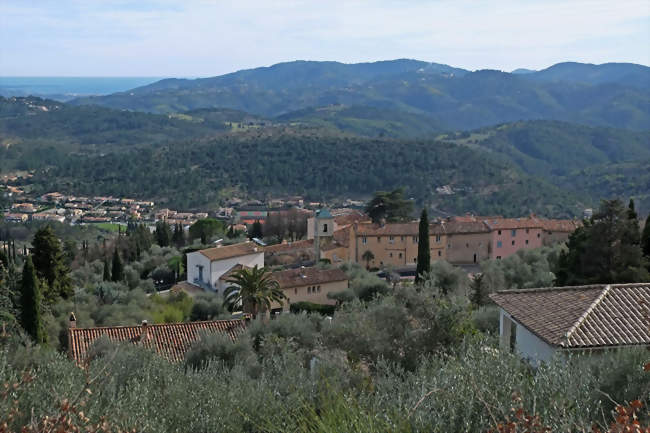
<point x="163" y="234"/>
<point x="218" y="347"/>
<point x="389" y="206"/>
<point x="49" y="262"/>
<point x="31" y="303"/>
<point x="645" y="238"/>
<point x="605" y="250"/>
<point x="310" y="307"/>
<point x="255" y="230"/>
<point x="254" y="289"/>
<point x="117" y="269"/>
<point x="525" y="269"/>
<point x="447" y="278"/>
<point x="207" y="306"/>
<point x="478" y="293"/>
<point x="205" y="229"/>
<point x="424" y="254"/>
<point x="368" y="256"/>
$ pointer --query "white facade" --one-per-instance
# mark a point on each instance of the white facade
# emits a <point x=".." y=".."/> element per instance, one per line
<point x="326" y="227"/>
<point x="528" y="345"/>
<point x="205" y="273"/>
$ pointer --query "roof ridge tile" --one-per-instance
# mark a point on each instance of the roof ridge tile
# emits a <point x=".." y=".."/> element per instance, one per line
<point x="584" y="315"/>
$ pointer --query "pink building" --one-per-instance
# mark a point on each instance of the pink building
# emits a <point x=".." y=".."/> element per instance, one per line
<point x="509" y="235"/>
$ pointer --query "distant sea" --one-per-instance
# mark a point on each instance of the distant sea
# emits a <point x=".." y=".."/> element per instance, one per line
<point x="66" y="88"/>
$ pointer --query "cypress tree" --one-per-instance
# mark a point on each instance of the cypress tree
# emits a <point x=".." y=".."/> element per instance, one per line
<point x="30" y="302"/>
<point x="424" y="254"/>
<point x="631" y="212"/>
<point x="49" y="262"/>
<point x="107" y="271"/>
<point x="645" y="238"/>
<point x="117" y="273"/>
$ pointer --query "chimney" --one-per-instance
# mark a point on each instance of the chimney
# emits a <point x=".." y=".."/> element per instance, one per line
<point x="145" y="328"/>
<point x="72" y="320"/>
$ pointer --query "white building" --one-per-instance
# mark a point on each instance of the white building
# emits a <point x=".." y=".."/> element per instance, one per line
<point x="538" y="323"/>
<point x="205" y="268"/>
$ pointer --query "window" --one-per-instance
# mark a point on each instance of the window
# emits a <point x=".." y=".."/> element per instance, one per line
<point x="513" y="242"/>
<point x="391" y="240"/>
<point x="514" y="232"/>
<point x="498" y="257"/>
<point x="402" y="238"/>
<point x="467" y="245"/>
<point x="318" y="289"/>
<point x="415" y="239"/>
<point x="390" y="254"/>
<point x="324" y="228"/>
<point x="295" y="291"/>
<point x="364" y="240"/>
<point x="309" y="289"/>
<point x="538" y="234"/>
<point x="449" y="245"/>
<point x="415" y="260"/>
<point x="526" y="241"/>
<point x="527" y="231"/>
<point x="400" y="255"/>
<point x="499" y="244"/>
<point x="200" y="272"/>
<point x="439" y="253"/>
<point x="437" y="238"/>
<point x="499" y="232"/>
<point x="378" y="239"/>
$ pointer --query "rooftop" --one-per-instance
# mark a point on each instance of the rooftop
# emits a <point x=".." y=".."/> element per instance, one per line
<point x="582" y="316"/>
<point x="308" y="276"/>
<point x="170" y="340"/>
<point x="226" y="252"/>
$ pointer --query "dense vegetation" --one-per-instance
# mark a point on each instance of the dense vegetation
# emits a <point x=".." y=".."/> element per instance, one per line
<point x="608" y="95"/>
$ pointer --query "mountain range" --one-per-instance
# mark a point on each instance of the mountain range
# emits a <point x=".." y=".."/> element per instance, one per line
<point x="611" y="94"/>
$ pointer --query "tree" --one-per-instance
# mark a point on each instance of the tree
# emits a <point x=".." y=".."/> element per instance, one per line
<point x="163" y="234"/>
<point x="49" y="262"/>
<point x="368" y="256"/>
<point x="645" y="238"/>
<point x="478" y="295"/>
<point x="117" y="273"/>
<point x="178" y="238"/>
<point x="256" y="230"/>
<point x="389" y="206"/>
<point x="205" y="229"/>
<point x="605" y="250"/>
<point x="31" y="301"/>
<point x="254" y="289"/>
<point x="424" y="254"/>
<point x="107" y="271"/>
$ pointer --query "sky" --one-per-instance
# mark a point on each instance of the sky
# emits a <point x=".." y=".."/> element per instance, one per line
<point x="198" y="38"/>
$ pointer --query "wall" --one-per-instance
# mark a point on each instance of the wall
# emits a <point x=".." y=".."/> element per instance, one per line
<point x="193" y="260"/>
<point x="331" y="227"/>
<point x="212" y="271"/>
<point x="533" y="236"/>
<point x="461" y="247"/>
<point x="527" y="345"/>
<point x="551" y="238"/>
<point x="401" y="250"/>
<point x="302" y="294"/>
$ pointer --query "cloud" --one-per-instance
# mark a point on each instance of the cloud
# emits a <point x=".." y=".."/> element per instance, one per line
<point x="200" y="38"/>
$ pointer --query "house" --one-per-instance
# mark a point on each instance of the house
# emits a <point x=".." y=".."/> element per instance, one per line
<point x="468" y="240"/>
<point x="48" y="216"/>
<point x="509" y="235"/>
<point x="16" y="217"/>
<point x="206" y="267"/>
<point x="538" y="323"/>
<point x="556" y="231"/>
<point x="170" y="340"/>
<point x="309" y="285"/>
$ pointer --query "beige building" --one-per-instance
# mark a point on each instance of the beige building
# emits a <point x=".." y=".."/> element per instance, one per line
<point x="309" y="285"/>
<point x="467" y="241"/>
<point x="555" y="231"/>
<point x="394" y="244"/>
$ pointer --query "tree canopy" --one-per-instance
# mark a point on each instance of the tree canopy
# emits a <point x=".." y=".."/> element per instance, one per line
<point x="389" y="206"/>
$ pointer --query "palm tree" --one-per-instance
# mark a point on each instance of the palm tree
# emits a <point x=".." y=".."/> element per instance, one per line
<point x="368" y="256"/>
<point x="254" y="289"/>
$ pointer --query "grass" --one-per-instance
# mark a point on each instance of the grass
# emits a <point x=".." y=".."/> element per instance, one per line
<point x="109" y="227"/>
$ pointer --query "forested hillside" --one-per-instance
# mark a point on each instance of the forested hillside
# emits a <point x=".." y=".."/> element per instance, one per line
<point x="188" y="159"/>
<point x="608" y="95"/>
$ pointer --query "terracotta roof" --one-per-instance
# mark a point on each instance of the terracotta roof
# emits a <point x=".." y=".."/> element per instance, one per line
<point x="396" y="229"/>
<point x="308" y="276"/>
<point x="513" y="223"/>
<point x="560" y="225"/>
<point x="465" y="226"/>
<point x="220" y="253"/>
<point x="350" y="218"/>
<point x="170" y="340"/>
<point x="305" y="243"/>
<point x="582" y="316"/>
<point x="342" y="237"/>
<point x="184" y="286"/>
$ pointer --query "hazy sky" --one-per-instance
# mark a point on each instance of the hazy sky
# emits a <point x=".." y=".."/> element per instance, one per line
<point x="192" y="38"/>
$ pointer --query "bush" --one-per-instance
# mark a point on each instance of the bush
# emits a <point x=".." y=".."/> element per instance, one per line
<point x="207" y="306"/>
<point x="219" y="347"/>
<point x="486" y="319"/>
<point x="310" y="307"/>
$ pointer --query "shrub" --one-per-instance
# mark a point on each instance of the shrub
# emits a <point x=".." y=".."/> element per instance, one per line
<point x="310" y="307"/>
<point x="219" y="347"/>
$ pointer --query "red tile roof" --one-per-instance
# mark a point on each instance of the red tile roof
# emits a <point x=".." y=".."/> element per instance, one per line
<point x="582" y="316"/>
<point x="513" y="223"/>
<point x="289" y="246"/>
<point x="226" y="252"/>
<point x="308" y="276"/>
<point x="560" y="225"/>
<point x="170" y="340"/>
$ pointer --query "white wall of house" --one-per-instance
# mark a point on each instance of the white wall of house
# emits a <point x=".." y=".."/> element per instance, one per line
<point x="194" y="260"/>
<point x="215" y="269"/>
<point x="527" y="344"/>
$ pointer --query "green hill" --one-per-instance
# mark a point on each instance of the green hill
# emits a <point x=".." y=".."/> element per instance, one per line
<point x="607" y="95"/>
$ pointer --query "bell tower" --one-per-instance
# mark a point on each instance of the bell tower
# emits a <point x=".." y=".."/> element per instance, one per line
<point x="323" y="228"/>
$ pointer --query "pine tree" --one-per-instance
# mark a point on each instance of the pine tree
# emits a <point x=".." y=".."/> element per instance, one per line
<point x="30" y="302"/>
<point x="256" y="230"/>
<point x="163" y="234"/>
<point x="49" y="262"/>
<point x="178" y="238"/>
<point x="117" y="273"/>
<point x="477" y="291"/>
<point x="107" y="271"/>
<point x="424" y="254"/>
